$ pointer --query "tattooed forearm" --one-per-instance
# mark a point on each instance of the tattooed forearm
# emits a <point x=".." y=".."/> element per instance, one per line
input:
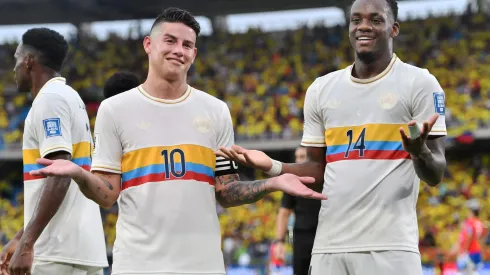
<point x="101" y="187"/>
<point x="230" y="191"/>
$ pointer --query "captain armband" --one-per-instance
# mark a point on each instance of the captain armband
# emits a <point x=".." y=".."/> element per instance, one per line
<point x="225" y="167"/>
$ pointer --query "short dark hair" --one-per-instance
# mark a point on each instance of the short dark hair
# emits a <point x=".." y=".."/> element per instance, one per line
<point x="393" y="6"/>
<point x="51" y="46"/>
<point x="120" y="82"/>
<point x="176" y="15"/>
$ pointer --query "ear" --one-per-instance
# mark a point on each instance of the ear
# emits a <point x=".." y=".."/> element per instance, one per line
<point x="395" y="30"/>
<point x="29" y="62"/>
<point x="195" y="54"/>
<point x="147" y="44"/>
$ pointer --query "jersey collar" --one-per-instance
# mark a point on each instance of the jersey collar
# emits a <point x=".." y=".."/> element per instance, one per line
<point x="166" y="101"/>
<point x="375" y="78"/>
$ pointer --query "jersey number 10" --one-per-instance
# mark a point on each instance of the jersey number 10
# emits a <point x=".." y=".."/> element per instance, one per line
<point x="359" y="145"/>
<point x="170" y="163"/>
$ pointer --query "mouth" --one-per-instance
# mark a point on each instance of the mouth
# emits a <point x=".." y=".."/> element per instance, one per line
<point x="176" y="60"/>
<point x="365" y="40"/>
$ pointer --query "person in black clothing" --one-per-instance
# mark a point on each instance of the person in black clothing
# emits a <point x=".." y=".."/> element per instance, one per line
<point x="306" y="220"/>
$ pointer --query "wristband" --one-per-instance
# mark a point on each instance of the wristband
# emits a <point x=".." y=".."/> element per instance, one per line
<point x="276" y="168"/>
<point x="414" y="131"/>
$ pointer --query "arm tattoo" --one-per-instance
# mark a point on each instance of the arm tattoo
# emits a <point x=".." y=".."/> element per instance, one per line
<point x="230" y="191"/>
<point x="108" y="184"/>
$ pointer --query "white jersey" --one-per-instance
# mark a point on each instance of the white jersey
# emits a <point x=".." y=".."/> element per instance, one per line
<point x="164" y="150"/>
<point x="58" y="121"/>
<point x="370" y="180"/>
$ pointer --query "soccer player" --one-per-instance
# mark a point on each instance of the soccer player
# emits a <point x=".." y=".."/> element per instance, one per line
<point x="356" y="120"/>
<point x="154" y="153"/>
<point x="306" y="221"/>
<point x="469" y="247"/>
<point x="63" y="231"/>
<point x="120" y="82"/>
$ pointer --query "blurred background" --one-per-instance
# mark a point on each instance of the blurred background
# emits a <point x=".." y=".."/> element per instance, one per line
<point x="259" y="57"/>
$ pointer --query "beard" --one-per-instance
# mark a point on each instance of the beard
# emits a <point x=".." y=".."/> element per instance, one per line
<point x="366" y="57"/>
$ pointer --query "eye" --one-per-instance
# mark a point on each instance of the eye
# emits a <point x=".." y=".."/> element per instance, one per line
<point x="355" y="20"/>
<point x="376" y="21"/>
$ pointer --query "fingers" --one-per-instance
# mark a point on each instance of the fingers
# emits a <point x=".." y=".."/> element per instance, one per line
<point x="238" y="149"/>
<point x="219" y="154"/>
<point x="38" y="172"/>
<point x="44" y="161"/>
<point x="404" y="136"/>
<point x="226" y="153"/>
<point x="425" y="130"/>
<point x="307" y="180"/>
<point x="317" y="196"/>
<point x="432" y="120"/>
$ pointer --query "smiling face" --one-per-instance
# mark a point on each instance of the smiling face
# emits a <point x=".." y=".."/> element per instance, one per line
<point x="372" y="28"/>
<point x="171" y="49"/>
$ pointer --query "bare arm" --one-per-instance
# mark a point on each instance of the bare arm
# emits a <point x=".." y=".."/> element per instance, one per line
<point x="431" y="162"/>
<point x="313" y="167"/>
<point x="101" y="187"/>
<point x="282" y="223"/>
<point x="52" y="195"/>
<point x="230" y="191"/>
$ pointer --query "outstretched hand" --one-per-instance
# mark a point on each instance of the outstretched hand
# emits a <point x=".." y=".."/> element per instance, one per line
<point x="414" y="145"/>
<point x="251" y="158"/>
<point x="57" y="167"/>
<point x="296" y="186"/>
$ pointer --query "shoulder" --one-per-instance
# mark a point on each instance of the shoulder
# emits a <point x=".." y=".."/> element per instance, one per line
<point x="121" y="100"/>
<point x="210" y="101"/>
<point x="418" y="76"/>
<point x="324" y="82"/>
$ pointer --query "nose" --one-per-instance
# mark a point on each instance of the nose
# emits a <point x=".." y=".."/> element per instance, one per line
<point x="178" y="50"/>
<point x="365" y="26"/>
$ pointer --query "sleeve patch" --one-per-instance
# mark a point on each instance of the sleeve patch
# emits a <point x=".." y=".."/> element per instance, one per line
<point x="52" y="127"/>
<point x="225" y="167"/>
<point x="439" y="103"/>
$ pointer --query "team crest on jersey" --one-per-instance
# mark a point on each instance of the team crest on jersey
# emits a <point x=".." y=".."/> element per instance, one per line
<point x="52" y="127"/>
<point x="387" y="101"/>
<point x="439" y="103"/>
<point x="202" y="124"/>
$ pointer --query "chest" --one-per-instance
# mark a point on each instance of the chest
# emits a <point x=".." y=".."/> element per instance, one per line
<point x="346" y="104"/>
<point x="153" y="125"/>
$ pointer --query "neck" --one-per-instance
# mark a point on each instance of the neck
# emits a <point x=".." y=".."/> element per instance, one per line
<point x="39" y="80"/>
<point x="162" y="88"/>
<point x="364" y="70"/>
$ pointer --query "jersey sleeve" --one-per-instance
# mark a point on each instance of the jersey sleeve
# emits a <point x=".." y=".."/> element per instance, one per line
<point x="429" y="99"/>
<point x="107" y="154"/>
<point x="52" y="120"/>
<point x="287" y="201"/>
<point x="226" y="138"/>
<point x="313" y="129"/>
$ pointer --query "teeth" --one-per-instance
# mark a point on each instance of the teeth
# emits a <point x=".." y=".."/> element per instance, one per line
<point x="364" y="38"/>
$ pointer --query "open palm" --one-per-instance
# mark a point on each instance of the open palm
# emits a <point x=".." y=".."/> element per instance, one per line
<point x="57" y="167"/>
<point x="295" y="186"/>
<point x="251" y="158"/>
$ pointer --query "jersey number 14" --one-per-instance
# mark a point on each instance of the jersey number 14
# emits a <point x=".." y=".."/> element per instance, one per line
<point x="171" y="166"/>
<point x="359" y="145"/>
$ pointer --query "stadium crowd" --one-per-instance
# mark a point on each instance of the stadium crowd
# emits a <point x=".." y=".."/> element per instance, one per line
<point x="263" y="78"/>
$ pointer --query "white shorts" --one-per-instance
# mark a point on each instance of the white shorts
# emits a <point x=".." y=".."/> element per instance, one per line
<point x="54" y="268"/>
<point x="367" y="263"/>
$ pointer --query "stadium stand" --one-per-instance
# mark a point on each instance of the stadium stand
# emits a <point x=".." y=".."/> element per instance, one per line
<point x="263" y="77"/>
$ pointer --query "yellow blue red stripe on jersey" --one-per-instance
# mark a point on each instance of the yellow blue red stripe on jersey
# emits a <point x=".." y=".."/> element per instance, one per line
<point x="370" y="141"/>
<point x="164" y="163"/>
<point x="81" y="156"/>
